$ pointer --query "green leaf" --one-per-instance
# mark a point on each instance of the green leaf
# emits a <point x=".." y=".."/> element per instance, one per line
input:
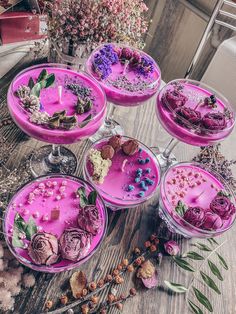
<point x="176" y="287"/>
<point x="215" y="270"/>
<point x="210" y="282"/>
<point x="203" y="299"/>
<point x="212" y="241"/>
<point x="92" y="197"/>
<point x="36" y="89"/>
<point x="30" y="229"/>
<point x="222" y="261"/>
<point x="202" y="247"/>
<point x="19" y="223"/>
<point x="181" y="208"/>
<point x="194" y="307"/>
<point x="183" y="264"/>
<point x="31" y="83"/>
<point x="195" y="256"/>
<point x="16" y="242"/>
<point x="83" y="197"/>
<point x="85" y="121"/>
<point x="50" y="79"/>
<point x="43" y="74"/>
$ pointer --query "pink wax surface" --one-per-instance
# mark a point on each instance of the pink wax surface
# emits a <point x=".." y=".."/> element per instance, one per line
<point x="42" y="205"/>
<point x="124" y="97"/>
<point x="198" y="189"/>
<point x="49" y="100"/>
<point x="192" y="136"/>
<point x="114" y="189"/>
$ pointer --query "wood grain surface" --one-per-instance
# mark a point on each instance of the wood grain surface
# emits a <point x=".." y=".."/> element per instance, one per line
<point x="127" y="229"/>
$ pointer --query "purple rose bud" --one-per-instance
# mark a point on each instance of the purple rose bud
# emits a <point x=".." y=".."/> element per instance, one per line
<point x="187" y="116"/>
<point x="194" y="215"/>
<point x="136" y="58"/>
<point x="214" y="121"/>
<point x="173" y="99"/>
<point x="126" y="53"/>
<point x="171" y="247"/>
<point x="222" y="206"/>
<point x="212" y="221"/>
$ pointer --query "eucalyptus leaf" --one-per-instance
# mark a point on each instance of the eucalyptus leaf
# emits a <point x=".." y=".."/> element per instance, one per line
<point x="181" y="208"/>
<point x="31" y="83"/>
<point x="215" y="270"/>
<point x="222" y="261"/>
<point x="50" y="79"/>
<point x="194" y="307"/>
<point x="203" y="299"/>
<point x="183" y="263"/>
<point x="176" y="287"/>
<point x="16" y="242"/>
<point x="195" y="256"/>
<point x="36" y="89"/>
<point x="43" y="74"/>
<point x="85" y="121"/>
<point x="83" y="197"/>
<point x="210" y="282"/>
<point x="19" y="223"/>
<point x="202" y="247"/>
<point x="212" y="241"/>
<point x="30" y="229"/>
<point x="92" y="197"/>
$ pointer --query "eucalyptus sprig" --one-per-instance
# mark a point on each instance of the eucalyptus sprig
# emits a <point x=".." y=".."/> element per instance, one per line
<point x="44" y="80"/>
<point x="209" y="281"/>
<point x="21" y="228"/>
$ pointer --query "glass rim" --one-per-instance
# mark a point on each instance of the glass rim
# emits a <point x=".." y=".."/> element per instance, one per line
<point x="212" y="172"/>
<point x="155" y="84"/>
<point x="208" y="88"/>
<point x="70" y="68"/>
<point x="135" y="203"/>
<point x="52" y="268"/>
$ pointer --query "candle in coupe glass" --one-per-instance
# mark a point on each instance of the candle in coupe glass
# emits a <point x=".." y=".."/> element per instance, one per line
<point x="53" y="219"/>
<point x="57" y="105"/>
<point x="125" y="172"/>
<point x="196" y="202"/>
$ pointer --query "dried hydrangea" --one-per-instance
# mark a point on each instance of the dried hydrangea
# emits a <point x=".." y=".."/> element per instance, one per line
<point x="23" y="91"/>
<point x="31" y="103"/>
<point x="39" y="117"/>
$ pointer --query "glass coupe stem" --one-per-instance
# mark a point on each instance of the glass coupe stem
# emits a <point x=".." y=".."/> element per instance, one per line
<point x="169" y="148"/>
<point x="55" y="155"/>
<point x="111" y="112"/>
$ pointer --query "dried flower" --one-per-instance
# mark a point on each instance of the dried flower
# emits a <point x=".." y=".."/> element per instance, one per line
<point x="78" y="283"/>
<point x="133" y="291"/>
<point x="49" y="304"/>
<point x="28" y="280"/>
<point x="92" y="286"/>
<point x="64" y="299"/>
<point x="137" y="251"/>
<point x="171" y="247"/>
<point x="130" y="268"/>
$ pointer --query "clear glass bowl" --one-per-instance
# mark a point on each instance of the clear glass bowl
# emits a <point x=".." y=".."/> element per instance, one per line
<point x="183" y="129"/>
<point x="175" y="222"/>
<point x="114" y="202"/>
<point x="123" y="97"/>
<point x="62" y="265"/>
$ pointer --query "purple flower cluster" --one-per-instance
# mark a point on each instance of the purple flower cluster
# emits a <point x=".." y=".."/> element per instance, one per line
<point x="103" y="60"/>
<point x="145" y="66"/>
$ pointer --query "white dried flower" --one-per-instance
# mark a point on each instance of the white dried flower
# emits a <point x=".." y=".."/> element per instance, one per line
<point x="39" y="117"/>
<point x="31" y="103"/>
<point x="23" y="91"/>
<point x="28" y="280"/>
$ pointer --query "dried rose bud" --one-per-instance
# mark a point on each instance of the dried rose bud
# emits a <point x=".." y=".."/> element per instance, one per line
<point x="153" y="248"/>
<point x="138" y="261"/>
<point x="130" y="147"/>
<point x="119" y="306"/>
<point x="153" y="237"/>
<point x="107" y="152"/>
<point x="130" y="268"/>
<point x="137" y="251"/>
<point x="115" y="142"/>
<point x="64" y="299"/>
<point x="101" y="283"/>
<point x="125" y="262"/>
<point x="171" y="247"/>
<point x="147" y="244"/>
<point x="133" y="291"/>
<point x="49" y="304"/>
<point x="92" y="286"/>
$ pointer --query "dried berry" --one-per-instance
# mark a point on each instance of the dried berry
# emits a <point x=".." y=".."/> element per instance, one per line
<point x="119" y="306"/>
<point x="49" y="304"/>
<point x="64" y="299"/>
<point x="94" y="299"/>
<point x="110" y="298"/>
<point x="101" y="283"/>
<point x="137" y="251"/>
<point x="132" y="291"/>
<point x="125" y="262"/>
<point x="119" y="280"/>
<point x="92" y="286"/>
<point x="115" y="272"/>
<point x="147" y="244"/>
<point x="153" y="248"/>
<point x="108" y="278"/>
<point x="119" y="267"/>
<point x="130" y="268"/>
<point x="85" y="309"/>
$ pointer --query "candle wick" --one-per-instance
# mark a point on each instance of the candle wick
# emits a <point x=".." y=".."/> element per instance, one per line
<point x="199" y="195"/>
<point x="60" y="94"/>
<point x="125" y="67"/>
<point x="198" y="104"/>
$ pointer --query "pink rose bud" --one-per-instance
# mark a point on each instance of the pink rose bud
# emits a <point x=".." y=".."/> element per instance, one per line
<point x="173" y="99"/>
<point x="194" y="215"/>
<point x="212" y="221"/>
<point x="222" y="206"/>
<point x="171" y="247"/>
<point x="214" y="121"/>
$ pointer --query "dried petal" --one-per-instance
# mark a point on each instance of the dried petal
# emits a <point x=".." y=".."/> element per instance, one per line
<point x="78" y="282"/>
<point x="146" y="270"/>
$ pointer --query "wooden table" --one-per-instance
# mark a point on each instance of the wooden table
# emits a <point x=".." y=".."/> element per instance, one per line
<point x="129" y="228"/>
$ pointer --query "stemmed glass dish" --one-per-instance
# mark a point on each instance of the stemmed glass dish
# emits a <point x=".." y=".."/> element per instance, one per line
<point x="127" y="177"/>
<point x="128" y="76"/>
<point x="194" y="113"/>
<point x="196" y="201"/>
<point x="54" y="104"/>
<point x="44" y="224"/>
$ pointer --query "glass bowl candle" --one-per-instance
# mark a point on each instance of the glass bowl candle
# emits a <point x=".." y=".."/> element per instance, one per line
<point x="196" y="202"/>
<point x="55" y="223"/>
<point x="128" y="76"/>
<point x="194" y="113"/>
<point x="124" y="171"/>
<point x="55" y="104"/>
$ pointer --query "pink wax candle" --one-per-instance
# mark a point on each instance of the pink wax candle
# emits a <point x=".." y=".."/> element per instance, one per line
<point x="128" y="76"/>
<point x="56" y="98"/>
<point x="131" y="179"/>
<point x="185" y="110"/>
<point x="194" y="203"/>
<point x="53" y="204"/>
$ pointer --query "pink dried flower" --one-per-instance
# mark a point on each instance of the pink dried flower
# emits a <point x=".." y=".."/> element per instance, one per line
<point x="28" y="280"/>
<point x="171" y="247"/>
